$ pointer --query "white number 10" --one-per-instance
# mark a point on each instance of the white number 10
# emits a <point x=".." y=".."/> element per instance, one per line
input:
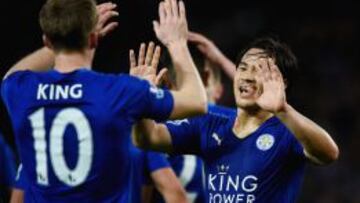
<point x="68" y="116"/>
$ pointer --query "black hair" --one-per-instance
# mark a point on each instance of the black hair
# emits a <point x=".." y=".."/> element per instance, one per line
<point x="274" y="48"/>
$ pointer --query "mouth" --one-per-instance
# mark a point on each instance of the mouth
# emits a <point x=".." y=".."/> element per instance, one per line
<point x="247" y="90"/>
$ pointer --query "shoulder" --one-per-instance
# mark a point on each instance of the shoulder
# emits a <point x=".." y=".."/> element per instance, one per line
<point x="18" y="76"/>
<point x="221" y="110"/>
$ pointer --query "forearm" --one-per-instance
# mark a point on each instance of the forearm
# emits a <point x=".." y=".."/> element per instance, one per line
<point x="149" y="135"/>
<point x="319" y="146"/>
<point x="189" y="82"/>
<point x="227" y="66"/>
<point x="177" y="196"/>
<point x="40" y="60"/>
<point x="169" y="186"/>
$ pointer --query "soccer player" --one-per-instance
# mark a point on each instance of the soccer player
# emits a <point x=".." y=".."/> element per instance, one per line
<point x="189" y="168"/>
<point x="259" y="154"/>
<point x="72" y="125"/>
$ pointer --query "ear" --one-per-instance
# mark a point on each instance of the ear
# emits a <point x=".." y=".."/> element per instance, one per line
<point x="285" y="83"/>
<point x="93" y="40"/>
<point x="47" y="42"/>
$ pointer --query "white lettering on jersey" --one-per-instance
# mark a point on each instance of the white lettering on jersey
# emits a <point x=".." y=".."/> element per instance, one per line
<point x="58" y="92"/>
<point x="159" y="93"/>
<point x="226" y="187"/>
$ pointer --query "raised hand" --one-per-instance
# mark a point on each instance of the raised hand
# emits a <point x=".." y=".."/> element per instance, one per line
<point x="273" y="96"/>
<point x="146" y="65"/>
<point x="206" y="47"/>
<point x="213" y="55"/>
<point x="105" y="12"/>
<point x="172" y="26"/>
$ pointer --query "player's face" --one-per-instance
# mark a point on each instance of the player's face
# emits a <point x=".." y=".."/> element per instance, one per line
<point x="246" y="88"/>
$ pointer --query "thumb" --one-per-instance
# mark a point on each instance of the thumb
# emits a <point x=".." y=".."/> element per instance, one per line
<point x="160" y="77"/>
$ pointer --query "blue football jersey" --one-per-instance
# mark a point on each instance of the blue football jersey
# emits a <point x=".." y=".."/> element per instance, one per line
<point x="189" y="168"/>
<point x="221" y="110"/>
<point x="73" y="131"/>
<point x="267" y="166"/>
<point x="143" y="164"/>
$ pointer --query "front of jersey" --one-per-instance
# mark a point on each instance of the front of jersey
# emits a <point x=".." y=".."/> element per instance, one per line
<point x="73" y="131"/>
<point x="267" y="166"/>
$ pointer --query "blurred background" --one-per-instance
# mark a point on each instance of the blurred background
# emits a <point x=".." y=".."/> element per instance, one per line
<point x="323" y="35"/>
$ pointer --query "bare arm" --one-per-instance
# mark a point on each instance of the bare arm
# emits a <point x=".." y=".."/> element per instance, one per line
<point x="213" y="54"/>
<point x="149" y="135"/>
<point x="43" y="59"/>
<point x="17" y="196"/>
<point x="319" y="147"/>
<point x="40" y="60"/>
<point x="172" y="31"/>
<point x="169" y="186"/>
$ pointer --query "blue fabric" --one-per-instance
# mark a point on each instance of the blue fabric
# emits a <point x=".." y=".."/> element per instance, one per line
<point x="7" y="169"/>
<point x="83" y="115"/>
<point x="144" y="163"/>
<point x="267" y="166"/>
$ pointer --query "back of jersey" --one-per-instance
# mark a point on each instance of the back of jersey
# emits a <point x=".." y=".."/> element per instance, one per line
<point x="73" y="131"/>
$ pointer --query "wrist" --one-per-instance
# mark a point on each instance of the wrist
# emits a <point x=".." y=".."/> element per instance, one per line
<point x="284" y="110"/>
<point x="175" y="45"/>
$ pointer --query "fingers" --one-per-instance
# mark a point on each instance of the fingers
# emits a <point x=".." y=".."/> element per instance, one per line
<point x="161" y="76"/>
<point x="149" y="53"/>
<point x="104" y="7"/>
<point x="141" y="59"/>
<point x="156" y="27"/>
<point x="168" y="9"/>
<point x="174" y="8"/>
<point x="156" y="58"/>
<point x="108" y="28"/>
<point x="196" y="37"/>
<point x="132" y="59"/>
<point x="105" y="13"/>
<point x="162" y="12"/>
<point x="182" y="10"/>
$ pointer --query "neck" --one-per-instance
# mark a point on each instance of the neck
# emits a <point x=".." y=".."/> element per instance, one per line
<point x="249" y="121"/>
<point x="71" y="61"/>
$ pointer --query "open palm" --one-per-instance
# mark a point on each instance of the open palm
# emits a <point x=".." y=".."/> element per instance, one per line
<point x="273" y="97"/>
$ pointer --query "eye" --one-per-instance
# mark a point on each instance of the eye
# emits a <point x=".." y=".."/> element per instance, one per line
<point x="242" y="68"/>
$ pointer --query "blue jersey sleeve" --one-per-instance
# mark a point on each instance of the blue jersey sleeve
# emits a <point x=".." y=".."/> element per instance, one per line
<point x="20" y="179"/>
<point x="156" y="161"/>
<point x="293" y="147"/>
<point x="185" y="136"/>
<point x="142" y="100"/>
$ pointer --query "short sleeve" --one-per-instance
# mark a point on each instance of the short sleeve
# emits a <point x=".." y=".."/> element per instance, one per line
<point x="142" y="100"/>
<point x="295" y="149"/>
<point x="9" y="87"/>
<point x="156" y="161"/>
<point x="20" y="179"/>
<point x="185" y="136"/>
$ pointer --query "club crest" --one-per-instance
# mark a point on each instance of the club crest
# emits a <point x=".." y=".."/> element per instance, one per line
<point x="265" y="142"/>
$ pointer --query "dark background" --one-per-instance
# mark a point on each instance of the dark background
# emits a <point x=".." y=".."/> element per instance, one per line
<point x="323" y="35"/>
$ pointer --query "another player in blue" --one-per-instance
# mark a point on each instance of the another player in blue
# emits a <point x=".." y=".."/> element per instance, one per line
<point x="72" y="125"/>
<point x="259" y="154"/>
<point x="189" y="168"/>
